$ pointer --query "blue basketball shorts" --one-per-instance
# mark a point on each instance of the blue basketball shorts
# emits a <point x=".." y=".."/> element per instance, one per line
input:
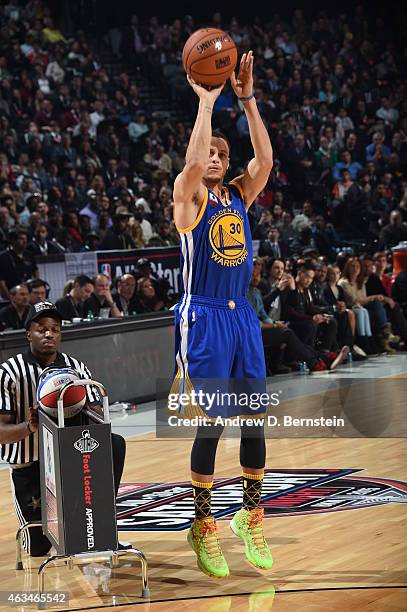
<point x="218" y="346"/>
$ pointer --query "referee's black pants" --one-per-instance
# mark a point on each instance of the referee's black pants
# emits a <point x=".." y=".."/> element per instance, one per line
<point x="27" y="497"/>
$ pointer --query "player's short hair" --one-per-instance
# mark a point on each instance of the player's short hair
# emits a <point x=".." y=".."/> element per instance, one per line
<point x="219" y="134"/>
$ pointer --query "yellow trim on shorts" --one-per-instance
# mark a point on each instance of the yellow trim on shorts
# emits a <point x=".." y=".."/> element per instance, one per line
<point x="185" y="230"/>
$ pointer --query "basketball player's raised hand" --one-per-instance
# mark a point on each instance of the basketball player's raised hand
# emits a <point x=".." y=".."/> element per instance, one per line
<point x="243" y="84"/>
<point x="208" y="95"/>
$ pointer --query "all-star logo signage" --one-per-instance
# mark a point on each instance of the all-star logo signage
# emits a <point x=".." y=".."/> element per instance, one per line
<point x="170" y="506"/>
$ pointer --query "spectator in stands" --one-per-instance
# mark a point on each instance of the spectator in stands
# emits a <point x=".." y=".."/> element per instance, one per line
<point x="394" y="232"/>
<point x="325" y="237"/>
<point x="140" y="216"/>
<point x="374" y="286"/>
<point x="300" y="161"/>
<point x="271" y="344"/>
<point x="288" y="234"/>
<point x="386" y="112"/>
<point x="377" y="151"/>
<point x="16" y="264"/>
<point x="339" y="302"/>
<point x="341" y="188"/>
<point x="117" y="237"/>
<point x="136" y="233"/>
<point x="278" y="287"/>
<point x="345" y="320"/>
<point x="73" y="230"/>
<point x="273" y="247"/>
<point x="124" y="297"/>
<point x="38" y="290"/>
<point x="14" y="315"/>
<point x="144" y="270"/>
<point x="327" y="94"/>
<point x="354" y="285"/>
<point x="346" y="163"/>
<point x="399" y="290"/>
<point x="138" y="127"/>
<point x="40" y="245"/>
<point x="380" y="262"/>
<point x="165" y="237"/>
<point x="261" y="224"/>
<point x="305" y="318"/>
<point x="304" y="218"/>
<point x="101" y="304"/>
<point x="325" y="157"/>
<point x="93" y="207"/>
<point x="71" y="306"/>
<point x="146" y="299"/>
<point x="282" y="344"/>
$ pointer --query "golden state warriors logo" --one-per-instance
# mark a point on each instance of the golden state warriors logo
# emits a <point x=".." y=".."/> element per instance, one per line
<point x="226" y="236"/>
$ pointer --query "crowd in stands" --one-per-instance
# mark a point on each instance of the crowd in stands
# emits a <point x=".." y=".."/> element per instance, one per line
<point x="88" y="298"/>
<point x="311" y="310"/>
<point x="86" y="164"/>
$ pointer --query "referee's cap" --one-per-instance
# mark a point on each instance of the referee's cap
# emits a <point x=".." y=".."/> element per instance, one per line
<point x="42" y="309"/>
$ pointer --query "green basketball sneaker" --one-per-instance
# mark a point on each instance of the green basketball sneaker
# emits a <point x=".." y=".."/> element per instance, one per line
<point x="203" y="539"/>
<point x="248" y="525"/>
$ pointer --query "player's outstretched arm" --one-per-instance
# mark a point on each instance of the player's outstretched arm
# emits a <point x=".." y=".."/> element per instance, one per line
<point x="189" y="192"/>
<point x="258" y="170"/>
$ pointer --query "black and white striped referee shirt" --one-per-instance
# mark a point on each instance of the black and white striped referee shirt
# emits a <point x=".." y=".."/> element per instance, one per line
<point x="18" y="393"/>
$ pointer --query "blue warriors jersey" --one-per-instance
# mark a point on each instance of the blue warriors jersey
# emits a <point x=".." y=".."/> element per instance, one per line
<point x="218" y="339"/>
<point x="216" y="250"/>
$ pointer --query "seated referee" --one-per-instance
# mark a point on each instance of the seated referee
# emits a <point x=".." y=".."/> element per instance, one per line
<point x="19" y="419"/>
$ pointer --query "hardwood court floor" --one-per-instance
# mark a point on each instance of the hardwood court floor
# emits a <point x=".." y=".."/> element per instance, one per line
<point x="350" y="560"/>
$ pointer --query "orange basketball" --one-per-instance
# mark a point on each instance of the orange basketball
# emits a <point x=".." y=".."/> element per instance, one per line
<point x="209" y="56"/>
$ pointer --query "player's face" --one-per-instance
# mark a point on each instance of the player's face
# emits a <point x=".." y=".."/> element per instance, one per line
<point x="44" y="336"/>
<point x="218" y="160"/>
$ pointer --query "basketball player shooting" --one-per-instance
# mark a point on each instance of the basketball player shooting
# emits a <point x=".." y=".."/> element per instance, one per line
<point x="217" y="332"/>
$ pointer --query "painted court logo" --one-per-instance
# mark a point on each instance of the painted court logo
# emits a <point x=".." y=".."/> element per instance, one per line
<point x="170" y="506"/>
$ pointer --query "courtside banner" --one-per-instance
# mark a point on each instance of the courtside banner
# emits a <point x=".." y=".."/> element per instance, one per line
<point x="164" y="263"/>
